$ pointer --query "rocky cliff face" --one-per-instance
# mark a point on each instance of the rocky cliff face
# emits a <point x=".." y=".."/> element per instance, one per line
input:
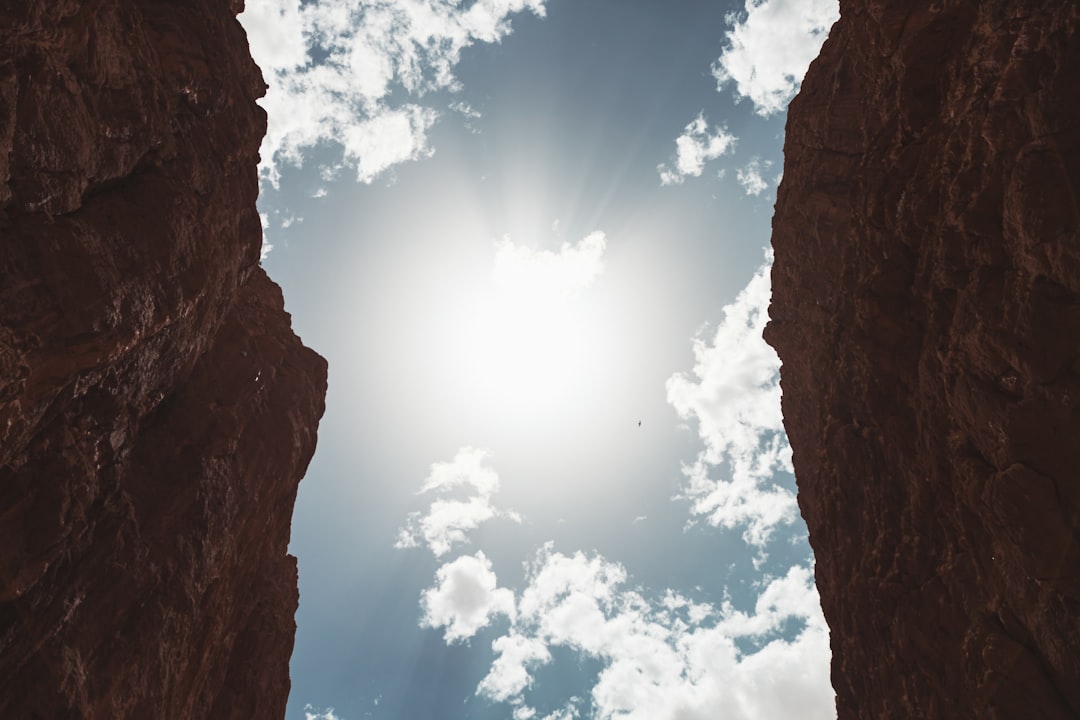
<point x="926" y="307"/>
<point x="156" y="410"/>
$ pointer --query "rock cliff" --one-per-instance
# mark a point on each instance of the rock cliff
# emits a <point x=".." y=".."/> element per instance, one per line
<point x="926" y="307"/>
<point x="156" y="410"/>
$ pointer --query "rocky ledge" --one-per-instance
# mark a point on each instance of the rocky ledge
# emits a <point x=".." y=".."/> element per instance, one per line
<point x="156" y="409"/>
<point x="926" y="307"/>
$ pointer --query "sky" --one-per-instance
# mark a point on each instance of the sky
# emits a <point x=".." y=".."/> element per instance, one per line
<point x="531" y="237"/>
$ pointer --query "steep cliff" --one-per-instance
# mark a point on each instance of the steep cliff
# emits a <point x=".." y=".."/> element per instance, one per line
<point x="926" y="307"/>
<point x="156" y="410"/>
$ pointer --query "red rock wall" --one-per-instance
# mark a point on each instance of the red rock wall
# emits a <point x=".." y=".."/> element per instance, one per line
<point x="926" y="307"/>
<point x="156" y="410"/>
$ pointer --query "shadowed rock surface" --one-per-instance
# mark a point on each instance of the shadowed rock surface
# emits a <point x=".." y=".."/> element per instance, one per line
<point x="926" y="307"/>
<point x="156" y="410"/>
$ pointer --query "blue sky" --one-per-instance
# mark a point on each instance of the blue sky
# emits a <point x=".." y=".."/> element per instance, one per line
<point x="517" y="229"/>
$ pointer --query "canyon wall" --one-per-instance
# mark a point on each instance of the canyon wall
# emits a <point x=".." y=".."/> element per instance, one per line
<point x="926" y="307"/>
<point x="156" y="409"/>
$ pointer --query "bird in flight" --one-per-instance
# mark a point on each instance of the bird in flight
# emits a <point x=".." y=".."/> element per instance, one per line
<point x="639" y="423"/>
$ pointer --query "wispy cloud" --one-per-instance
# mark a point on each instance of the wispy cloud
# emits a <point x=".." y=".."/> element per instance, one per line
<point x="668" y="659"/>
<point x="733" y="393"/>
<point x="769" y="47"/>
<point x="750" y="176"/>
<point x="465" y="598"/>
<point x="696" y="146"/>
<point x="448" y="521"/>
<point x="336" y="70"/>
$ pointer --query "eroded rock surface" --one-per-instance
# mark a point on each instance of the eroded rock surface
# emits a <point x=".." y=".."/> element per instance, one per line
<point x="156" y="410"/>
<point x="926" y="307"/>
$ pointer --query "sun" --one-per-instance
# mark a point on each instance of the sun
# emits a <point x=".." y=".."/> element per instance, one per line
<point x="527" y="341"/>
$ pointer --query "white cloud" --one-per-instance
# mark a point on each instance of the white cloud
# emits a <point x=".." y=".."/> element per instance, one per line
<point x="468" y="469"/>
<point x="448" y="521"/>
<point x="524" y="712"/>
<point x="570" y="712"/>
<point x="750" y="176"/>
<point x="465" y="110"/>
<point x="311" y="713"/>
<point x="447" y="524"/>
<point x="332" y="68"/>
<point x="465" y="598"/>
<point x="673" y="659"/>
<point x="770" y="46"/>
<point x="696" y="613"/>
<point x="734" y="394"/>
<point x="695" y="147"/>
<point x="275" y="30"/>
<point x="747" y="500"/>
<point x="509" y="675"/>
<point x="387" y="139"/>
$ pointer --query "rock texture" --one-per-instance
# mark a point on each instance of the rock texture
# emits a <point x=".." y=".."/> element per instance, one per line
<point x="156" y="410"/>
<point x="926" y="307"/>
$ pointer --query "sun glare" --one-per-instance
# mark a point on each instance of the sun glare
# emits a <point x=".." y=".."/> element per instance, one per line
<point x="527" y="342"/>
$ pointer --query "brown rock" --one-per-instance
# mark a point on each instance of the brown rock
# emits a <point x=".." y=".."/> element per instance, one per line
<point x="926" y="307"/>
<point x="156" y="410"/>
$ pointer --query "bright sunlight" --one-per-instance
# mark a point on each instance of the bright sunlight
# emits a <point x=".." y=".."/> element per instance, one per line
<point x="530" y="341"/>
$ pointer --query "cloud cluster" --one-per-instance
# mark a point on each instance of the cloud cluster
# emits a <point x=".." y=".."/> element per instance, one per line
<point x="449" y="519"/>
<point x="734" y="395"/>
<point x="336" y="70"/>
<point x="696" y="146"/>
<point x="661" y="658"/>
<point x="669" y="659"/>
<point x="770" y="46"/>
